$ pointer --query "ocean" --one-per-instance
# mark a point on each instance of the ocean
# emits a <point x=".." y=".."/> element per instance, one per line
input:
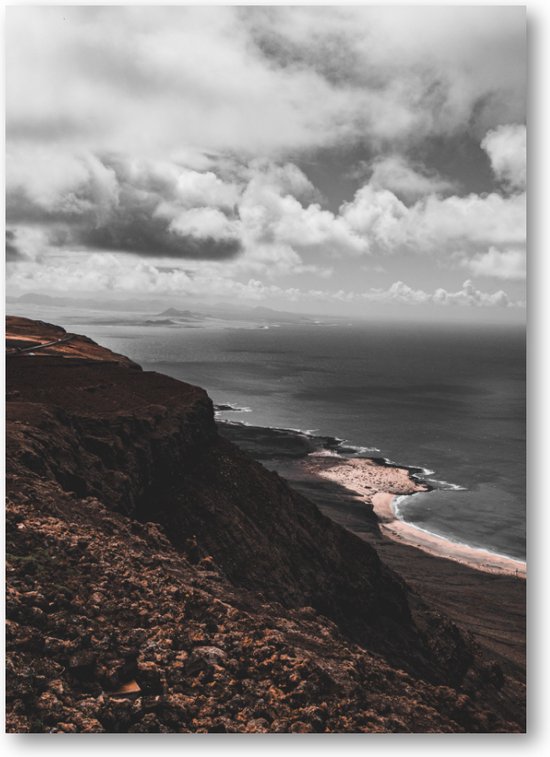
<point x="447" y="399"/>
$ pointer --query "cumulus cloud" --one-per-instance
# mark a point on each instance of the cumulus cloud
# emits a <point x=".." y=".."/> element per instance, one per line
<point x="378" y="215"/>
<point x="113" y="203"/>
<point x="138" y="230"/>
<point x="435" y="224"/>
<point x="408" y="182"/>
<point x="466" y="296"/>
<point x="506" y="147"/>
<point x="157" y="208"/>
<point x="478" y="219"/>
<point x="205" y="223"/>
<point x="500" y="264"/>
<point x="271" y="213"/>
<point x="109" y="272"/>
<point x="486" y="231"/>
<point x="102" y="273"/>
<point x="266" y="215"/>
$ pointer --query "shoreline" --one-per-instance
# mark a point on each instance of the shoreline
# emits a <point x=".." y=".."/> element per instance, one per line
<point x="365" y="478"/>
<point x="377" y="483"/>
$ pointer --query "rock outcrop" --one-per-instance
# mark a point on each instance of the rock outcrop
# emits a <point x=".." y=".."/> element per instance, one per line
<point x="161" y="580"/>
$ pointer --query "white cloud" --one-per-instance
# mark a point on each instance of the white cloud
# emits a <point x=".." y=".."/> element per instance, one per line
<point x="475" y="219"/>
<point x="266" y="81"/>
<point x="506" y="147"/>
<point x="158" y="208"/>
<point x="122" y="203"/>
<point x="395" y="173"/>
<point x="206" y="223"/>
<point x="270" y="214"/>
<point x="261" y="216"/>
<point x="195" y="189"/>
<point x="378" y="216"/>
<point x="53" y="182"/>
<point x="466" y="296"/>
<point x="434" y="224"/>
<point x="505" y="264"/>
<point x="107" y="272"/>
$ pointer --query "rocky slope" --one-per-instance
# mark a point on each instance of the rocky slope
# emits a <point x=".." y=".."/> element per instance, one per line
<point x="161" y="580"/>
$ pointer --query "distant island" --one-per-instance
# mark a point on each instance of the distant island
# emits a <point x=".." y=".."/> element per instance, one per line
<point x="175" y="313"/>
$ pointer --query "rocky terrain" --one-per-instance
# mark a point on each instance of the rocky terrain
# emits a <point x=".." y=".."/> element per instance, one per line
<point x="160" y="580"/>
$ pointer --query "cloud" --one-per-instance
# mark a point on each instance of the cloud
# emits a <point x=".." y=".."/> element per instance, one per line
<point x="107" y="272"/>
<point x="506" y="264"/>
<point x="263" y="212"/>
<point x="272" y="214"/>
<point x="407" y="182"/>
<point x="475" y="219"/>
<point x="139" y="231"/>
<point x="114" y="203"/>
<point x="259" y="80"/>
<point x="506" y="147"/>
<point x="205" y="223"/>
<point x="434" y="224"/>
<point x="23" y="245"/>
<point x="138" y="130"/>
<point x="466" y="296"/>
<point x="378" y="216"/>
<point x="410" y="71"/>
<point x="12" y="250"/>
<point x="263" y="217"/>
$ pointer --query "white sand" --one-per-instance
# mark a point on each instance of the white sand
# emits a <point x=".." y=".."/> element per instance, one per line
<point x="378" y="484"/>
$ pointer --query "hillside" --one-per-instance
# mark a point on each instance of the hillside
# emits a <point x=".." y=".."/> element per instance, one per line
<point x="159" y="579"/>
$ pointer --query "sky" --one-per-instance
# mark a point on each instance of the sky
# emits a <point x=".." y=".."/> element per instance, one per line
<point x="347" y="160"/>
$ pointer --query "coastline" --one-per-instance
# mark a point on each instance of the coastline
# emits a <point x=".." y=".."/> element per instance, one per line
<point x="373" y="481"/>
<point x="378" y="484"/>
<point x="488" y="605"/>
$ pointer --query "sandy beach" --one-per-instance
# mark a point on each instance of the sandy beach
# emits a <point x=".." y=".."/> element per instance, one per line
<point x="377" y="485"/>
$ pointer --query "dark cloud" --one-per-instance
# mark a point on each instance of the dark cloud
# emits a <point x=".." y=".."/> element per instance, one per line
<point x="331" y="58"/>
<point x="113" y="206"/>
<point x="12" y="249"/>
<point x="133" y="228"/>
<point x="152" y="237"/>
<point x="22" y="209"/>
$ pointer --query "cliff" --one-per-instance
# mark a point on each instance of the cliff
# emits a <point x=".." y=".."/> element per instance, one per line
<point x="161" y="580"/>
